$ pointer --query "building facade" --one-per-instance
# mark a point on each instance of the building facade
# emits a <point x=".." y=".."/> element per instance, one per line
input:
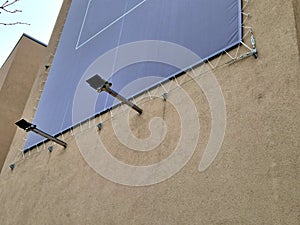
<point x="252" y="179"/>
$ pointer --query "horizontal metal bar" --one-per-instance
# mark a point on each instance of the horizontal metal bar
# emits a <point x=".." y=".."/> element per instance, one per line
<point x="42" y="133"/>
<point x="124" y="100"/>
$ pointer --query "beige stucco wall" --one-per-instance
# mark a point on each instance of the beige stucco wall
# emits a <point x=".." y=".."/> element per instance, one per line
<point x="253" y="180"/>
<point x="17" y="76"/>
<point x="296" y="4"/>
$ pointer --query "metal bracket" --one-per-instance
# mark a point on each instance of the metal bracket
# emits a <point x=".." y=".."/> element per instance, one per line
<point x="23" y="124"/>
<point x="100" y="85"/>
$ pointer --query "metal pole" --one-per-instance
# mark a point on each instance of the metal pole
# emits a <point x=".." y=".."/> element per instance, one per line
<point x="23" y="124"/>
<point x="100" y="85"/>
<point x="38" y="131"/>
<point x="124" y="100"/>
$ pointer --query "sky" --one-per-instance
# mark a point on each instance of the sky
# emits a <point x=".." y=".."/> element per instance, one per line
<point x="40" y="14"/>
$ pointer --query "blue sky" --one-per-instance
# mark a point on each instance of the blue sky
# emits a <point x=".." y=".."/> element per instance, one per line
<point x="41" y="15"/>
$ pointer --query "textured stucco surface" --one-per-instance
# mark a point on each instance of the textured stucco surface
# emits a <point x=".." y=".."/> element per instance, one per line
<point x="253" y="180"/>
<point x="17" y="76"/>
